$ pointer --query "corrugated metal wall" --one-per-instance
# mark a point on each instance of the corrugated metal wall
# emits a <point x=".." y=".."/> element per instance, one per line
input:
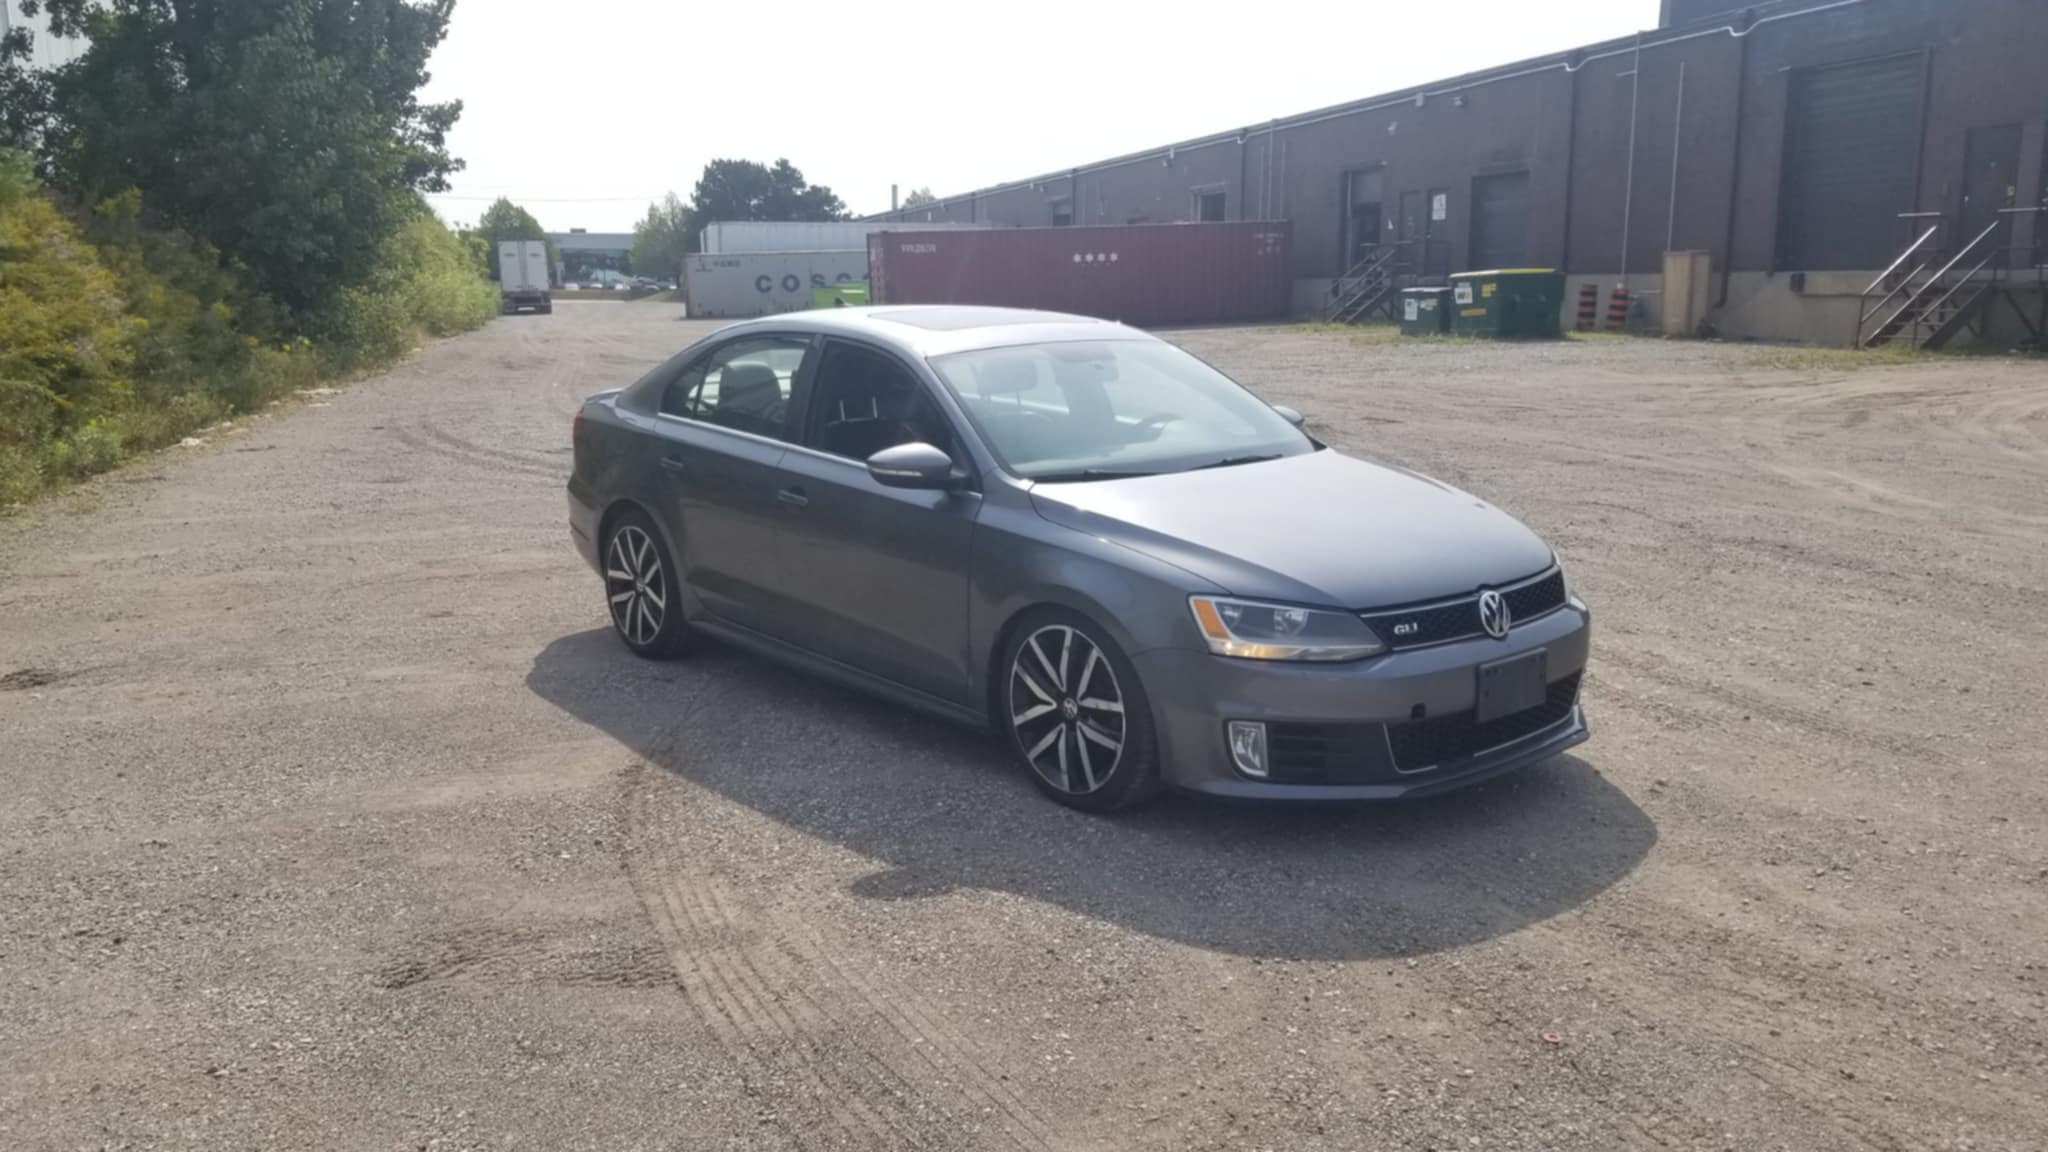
<point x="1679" y="142"/>
<point x="790" y="236"/>
<point x="1144" y="274"/>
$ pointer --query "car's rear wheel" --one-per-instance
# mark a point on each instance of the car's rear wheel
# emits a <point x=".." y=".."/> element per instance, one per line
<point x="1075" y="713"/>
<point x="640" y="587"/>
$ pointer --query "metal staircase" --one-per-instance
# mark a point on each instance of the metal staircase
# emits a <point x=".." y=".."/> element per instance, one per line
<point x="1926" y="301"/>
<point x="1368" y="287"/>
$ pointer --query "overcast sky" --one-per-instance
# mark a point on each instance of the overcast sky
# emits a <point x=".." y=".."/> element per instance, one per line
<point x="584" y="112"/>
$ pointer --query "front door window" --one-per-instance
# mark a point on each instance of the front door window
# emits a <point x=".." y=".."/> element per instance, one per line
<point x="865" y="401"/>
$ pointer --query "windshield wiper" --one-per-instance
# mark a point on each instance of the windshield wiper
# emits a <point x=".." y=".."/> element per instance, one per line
<point x="1234" y="461"/>
<point x="1089" y="474"/>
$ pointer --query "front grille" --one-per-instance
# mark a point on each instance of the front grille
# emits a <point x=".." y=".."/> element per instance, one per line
<point x="1447" y="739"/>
<point x="1529" y="601"/>
<point x="1458" y="619"/>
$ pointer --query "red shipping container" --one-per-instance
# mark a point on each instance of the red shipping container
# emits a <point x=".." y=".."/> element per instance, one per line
<point x="1144" y="274"/>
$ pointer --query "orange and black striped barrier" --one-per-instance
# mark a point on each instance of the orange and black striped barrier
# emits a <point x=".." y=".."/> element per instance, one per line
<point x="1589" y="304"/>
<point x="1617" y="308"/>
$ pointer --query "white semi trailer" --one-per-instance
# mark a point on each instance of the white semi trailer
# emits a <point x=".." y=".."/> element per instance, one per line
<point x="523" y="276"/>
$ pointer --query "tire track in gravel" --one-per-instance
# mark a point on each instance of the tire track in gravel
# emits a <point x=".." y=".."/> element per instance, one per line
<point x="433" y="442"/>
<point x="774" y="995"/>
<point x="555" y="462"/>
<point x="705" y="965"/>
<point x="943" y="1049"/>
<point x="1714" y="702"/>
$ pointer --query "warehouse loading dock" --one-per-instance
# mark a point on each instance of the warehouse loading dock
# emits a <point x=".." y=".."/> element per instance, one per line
<point x="1791" y="142"/>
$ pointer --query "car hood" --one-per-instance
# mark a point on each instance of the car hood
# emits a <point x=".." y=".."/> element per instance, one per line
<point x="1321" y="528"/>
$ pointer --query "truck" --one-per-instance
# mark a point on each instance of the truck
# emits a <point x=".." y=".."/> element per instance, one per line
<point x="523" y="276"/>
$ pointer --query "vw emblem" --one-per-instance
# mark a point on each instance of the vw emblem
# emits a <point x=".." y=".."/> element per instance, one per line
<point x="1493" y="614"/>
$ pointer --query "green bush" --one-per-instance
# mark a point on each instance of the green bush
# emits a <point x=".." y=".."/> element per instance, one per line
<point x="427" y="284"/>
<point x="65" y="340"/>
<point x="116" y="337"/>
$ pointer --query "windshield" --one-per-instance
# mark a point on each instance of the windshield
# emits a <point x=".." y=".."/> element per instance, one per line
<point x="1099" y="409"/>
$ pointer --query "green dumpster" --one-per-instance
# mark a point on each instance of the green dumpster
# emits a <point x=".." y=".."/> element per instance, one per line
<point x="1508" y="304"/>
<point x="1425" y="311"/>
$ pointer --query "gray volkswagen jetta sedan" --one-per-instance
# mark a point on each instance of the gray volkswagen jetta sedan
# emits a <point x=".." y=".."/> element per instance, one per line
<point x="1137" y="572"/>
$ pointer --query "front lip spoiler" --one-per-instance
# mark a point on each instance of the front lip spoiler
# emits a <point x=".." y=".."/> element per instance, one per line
<point x="1564" y="737"/>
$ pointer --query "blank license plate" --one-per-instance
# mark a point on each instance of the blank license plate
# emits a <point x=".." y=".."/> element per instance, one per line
<point x="1510" y="686"/>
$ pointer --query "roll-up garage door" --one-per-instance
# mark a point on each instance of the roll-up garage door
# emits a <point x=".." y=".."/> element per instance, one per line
<point x="1500" y="221"/>
<point x="1851" y="133"/>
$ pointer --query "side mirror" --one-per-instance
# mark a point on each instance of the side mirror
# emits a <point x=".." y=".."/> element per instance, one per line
<point x="1290" y="415"/>
<point x="914" y="465"/>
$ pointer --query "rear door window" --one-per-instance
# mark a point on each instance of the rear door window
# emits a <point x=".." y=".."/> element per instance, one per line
<point x="744" y="385"/>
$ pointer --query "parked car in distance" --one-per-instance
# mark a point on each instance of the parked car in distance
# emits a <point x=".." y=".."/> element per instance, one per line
<point x="1137" y="572"/>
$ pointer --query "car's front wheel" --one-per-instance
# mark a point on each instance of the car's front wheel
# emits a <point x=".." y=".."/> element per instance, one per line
<point x="640" y="588"/>
<point x="1075" y="713"/>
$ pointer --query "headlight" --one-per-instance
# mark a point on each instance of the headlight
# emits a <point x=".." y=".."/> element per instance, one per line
<point x="1254" y="631"/>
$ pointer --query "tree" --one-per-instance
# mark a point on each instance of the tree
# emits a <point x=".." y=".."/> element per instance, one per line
<point x="504" y="220"/>
<point x="289" y="135"/>
<point x="919" y="197"/>
<point x="663" y="236"/>
<point x="24" y="93"/>
<point x="744" y="190"/>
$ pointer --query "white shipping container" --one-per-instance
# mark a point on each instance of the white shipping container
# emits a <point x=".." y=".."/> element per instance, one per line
<point x="729" y="236"/>
<point x="759" y="283"/>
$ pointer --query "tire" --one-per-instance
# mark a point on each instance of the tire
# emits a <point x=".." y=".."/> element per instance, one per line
<point x="1060" y="719"/>
<point x="642" y="598"/>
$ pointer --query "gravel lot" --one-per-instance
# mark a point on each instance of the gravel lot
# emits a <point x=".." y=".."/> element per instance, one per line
<point x="334" y="819"/>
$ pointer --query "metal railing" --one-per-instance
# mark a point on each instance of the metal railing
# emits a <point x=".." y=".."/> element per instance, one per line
<point x="1930" y="307"/>
<point x="1922" y="253"/>
<point x="1366" y="284"/>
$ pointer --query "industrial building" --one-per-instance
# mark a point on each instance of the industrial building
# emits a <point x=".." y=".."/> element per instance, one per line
<point x="1804" y="146"/>
<point x="594" y="257"/>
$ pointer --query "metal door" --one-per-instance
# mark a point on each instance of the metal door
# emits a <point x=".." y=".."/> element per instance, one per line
<point x="1436" y="235"/>
<point x="1991" y="179"/>
<point x="876" y="578"/>
<point x="718" y="475"/>
<point x="1362" y="220"/>
<point x="1414" y="207"/>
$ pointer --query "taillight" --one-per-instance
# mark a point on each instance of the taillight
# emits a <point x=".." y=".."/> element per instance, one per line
<point x="576" y="426"/>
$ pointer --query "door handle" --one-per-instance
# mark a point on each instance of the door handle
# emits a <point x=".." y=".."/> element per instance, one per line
<point x="793" y="496"/>
<point x="674" y="465"/>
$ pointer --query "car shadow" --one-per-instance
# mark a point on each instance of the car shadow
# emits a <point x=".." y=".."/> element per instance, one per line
<point x="940" y="807"/>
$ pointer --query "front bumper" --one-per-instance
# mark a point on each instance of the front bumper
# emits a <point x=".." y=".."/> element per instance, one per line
<point x="1348" y="711"/>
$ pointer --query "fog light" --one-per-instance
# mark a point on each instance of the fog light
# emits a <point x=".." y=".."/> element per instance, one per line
<point x="1248" y="747"/>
